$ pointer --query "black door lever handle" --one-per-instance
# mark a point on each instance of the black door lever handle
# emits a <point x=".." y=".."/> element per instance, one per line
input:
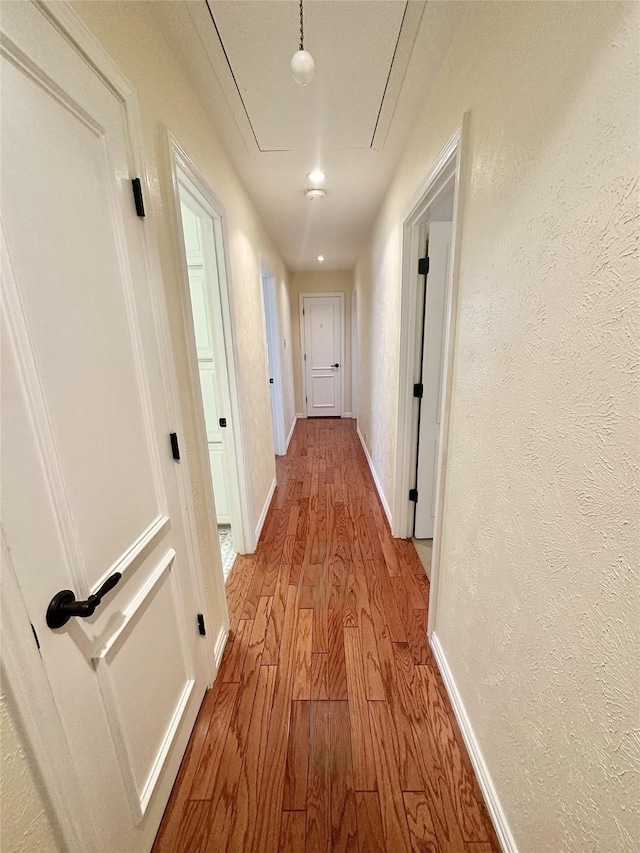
<point x="63" y="605"/>
<point x="335" y="365"/>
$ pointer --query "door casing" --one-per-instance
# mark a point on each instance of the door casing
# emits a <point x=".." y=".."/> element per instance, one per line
<point x="182" y="170"/>
<point x="449" y="166"/>
<point x="303" y="370"/>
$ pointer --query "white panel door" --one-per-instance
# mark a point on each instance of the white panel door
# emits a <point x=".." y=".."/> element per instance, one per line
<point x="90" y="489"/>
<point x="215" y="441"/>
<point x="203" y="325"/>
<point x="432" y="363"/>
<point x="322" y="353"/>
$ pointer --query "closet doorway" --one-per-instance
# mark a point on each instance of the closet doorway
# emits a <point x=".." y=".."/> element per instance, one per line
<point x="201" y="221"/>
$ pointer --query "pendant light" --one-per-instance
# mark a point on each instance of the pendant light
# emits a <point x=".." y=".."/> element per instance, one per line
<point x="302" y="63"/>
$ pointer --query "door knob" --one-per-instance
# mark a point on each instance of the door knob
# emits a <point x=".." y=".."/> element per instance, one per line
<point x="335" y="365"/>
<point x="63" y="605"/>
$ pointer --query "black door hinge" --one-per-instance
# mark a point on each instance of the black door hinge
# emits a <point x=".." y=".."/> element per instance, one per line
<point x="201" y="629"/>
<point x="175" y="447"/>
<point x="222" y="422"/>
<point x="303" y="312"/>
<point x="137" y="197"/>
<point x="423" y="266"/>
<point x="35" y="636"/>
<point x="418" y="390"/>
<point x="413" y="495"/>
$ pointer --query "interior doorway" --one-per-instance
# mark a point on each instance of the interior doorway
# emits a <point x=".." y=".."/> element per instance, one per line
<point x="436" y="229"/>
<point x="272" y="334"/>
<point x="210" y="329"/>
<point x="431" y="230"/>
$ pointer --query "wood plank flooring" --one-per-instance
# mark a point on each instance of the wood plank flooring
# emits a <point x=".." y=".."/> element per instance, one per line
<point x="328" y="727"/>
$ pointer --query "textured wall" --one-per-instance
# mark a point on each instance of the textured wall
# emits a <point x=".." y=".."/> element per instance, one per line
<point x="538" y="611"/>
<point x="332" y="281"/>
<point x="25" y="826"/>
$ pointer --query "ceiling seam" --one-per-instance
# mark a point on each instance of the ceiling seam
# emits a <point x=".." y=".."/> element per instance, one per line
<point x="235" y="82"/>
<point x="386" y="85"/>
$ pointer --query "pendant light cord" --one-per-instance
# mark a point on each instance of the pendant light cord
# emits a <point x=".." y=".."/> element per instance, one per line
<point x="301" y="28"/>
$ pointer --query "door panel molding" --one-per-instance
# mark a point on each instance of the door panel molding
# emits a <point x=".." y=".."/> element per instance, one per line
<point x="131" y="554"/>
<point x="303" y="367"/>
<point x="139" y="799"/>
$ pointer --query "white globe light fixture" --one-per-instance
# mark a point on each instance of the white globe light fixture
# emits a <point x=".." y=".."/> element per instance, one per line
<point x="302" y="64"/>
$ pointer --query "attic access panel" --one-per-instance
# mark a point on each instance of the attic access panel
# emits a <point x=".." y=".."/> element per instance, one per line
<point x="356" y="83"/>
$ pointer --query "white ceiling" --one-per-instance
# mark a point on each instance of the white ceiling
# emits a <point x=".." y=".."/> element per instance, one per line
<point x="374" y="60"/>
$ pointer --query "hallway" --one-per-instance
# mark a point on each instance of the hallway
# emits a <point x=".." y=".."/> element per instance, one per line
<point x="328" y="727"/>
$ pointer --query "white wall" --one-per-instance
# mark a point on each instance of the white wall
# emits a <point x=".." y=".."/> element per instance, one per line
<point x="332" y="281"/>
<point x="538" y="612"/>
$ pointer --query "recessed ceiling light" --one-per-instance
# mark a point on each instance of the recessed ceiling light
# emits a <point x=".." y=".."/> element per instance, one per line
<point x="316" y="177"/>
<point x="312" y="195"/>
<point x="320" y="258"/>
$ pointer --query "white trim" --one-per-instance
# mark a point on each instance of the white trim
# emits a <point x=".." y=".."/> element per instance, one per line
<point x="354" y="355"/>
<point x="376" y="479"/>
<point x="265" y="510"/>
<point x="347" y="415"/>
<point x="220" y="645"/>
<point x="303" y="368"/>
<point x="136" y="603"/>
<point x="496" y="812"/>
<point x="165" y="747"/>
<point x="184" y="171"/>
<point x="300" y="416"/>
<point x="271" y="317"/>
<point x="449" y="167"/>
<point x="291" y="431"/>
<point x="125" y="561"/>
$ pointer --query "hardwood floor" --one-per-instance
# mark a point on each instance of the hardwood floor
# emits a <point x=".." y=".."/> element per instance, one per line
<point x="328" y="727"/>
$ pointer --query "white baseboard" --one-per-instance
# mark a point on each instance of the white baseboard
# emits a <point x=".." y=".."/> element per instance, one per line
<point x="498" y="817"/>
<point x="219" y="646"/>
<point x="381" y="495"/>
<point x="289" y="437"/>
<point x="347" y="415"/>
<point x="300" y="416"/>
<point x="263" y="514"/>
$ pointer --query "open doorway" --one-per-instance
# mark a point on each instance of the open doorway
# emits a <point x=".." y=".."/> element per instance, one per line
<point x="272" y="334"/>
<point x="436" y="238"/>
<point x="430" y="258"/>
<point x="210" y="328"/>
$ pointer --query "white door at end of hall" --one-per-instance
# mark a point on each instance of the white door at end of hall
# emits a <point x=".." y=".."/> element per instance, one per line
<point x="323" y="324"/>
<point x="90" y="490"/>
<point x="432" y="364"/>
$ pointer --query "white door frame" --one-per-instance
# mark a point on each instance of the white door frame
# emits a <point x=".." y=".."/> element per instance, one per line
<point x="22" y="667"/>
<point x="303" y="366"/>
<point x="185" y="173"/>
<point x="448" y="168"/>
<point x="272" y="335"/>
<point x="354" y="354"/>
